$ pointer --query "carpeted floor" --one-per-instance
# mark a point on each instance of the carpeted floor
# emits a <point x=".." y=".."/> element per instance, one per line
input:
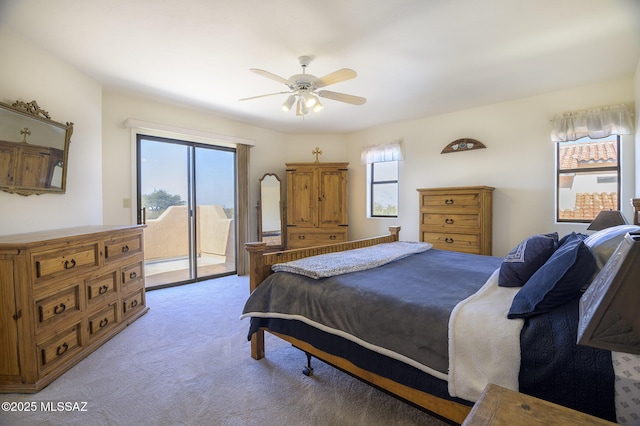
<point x="187" y="362"/>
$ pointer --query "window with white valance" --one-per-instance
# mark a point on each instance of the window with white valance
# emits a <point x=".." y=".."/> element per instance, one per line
<point x="381" y="153"/>
<point x="587" y="161"/>
<point x="594" y="123"/>
<point x="382" y="179"/>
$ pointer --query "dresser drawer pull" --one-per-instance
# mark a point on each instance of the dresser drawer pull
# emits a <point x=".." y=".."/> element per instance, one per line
<point x="68" y="264"/>
<point x="134" y="303"/>
<point x="449" y="221"/>
<point x="62" y="349"/>
<point x="448" y="240"/>
<point x="332" y="237"/>
<point x="104" y="322"/>
<point x="301" y="237"/>
<point x="59" y="309"/>
<point x="448" y="201"/>
<point x="132" y="275"/>
<point x="103" y="289"/>
<point x="125" y="248"/>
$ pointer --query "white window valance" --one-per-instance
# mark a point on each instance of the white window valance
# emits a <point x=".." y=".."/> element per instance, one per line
<point x="381" y="153"/>
<point x="596" y="123"/>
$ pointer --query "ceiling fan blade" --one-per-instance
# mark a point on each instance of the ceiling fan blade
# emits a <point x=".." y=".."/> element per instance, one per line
<point x="262" y="96"/>
<point x="336" y="77"/>
<point x="270" y="75"/>
<point x="342" y="97"/>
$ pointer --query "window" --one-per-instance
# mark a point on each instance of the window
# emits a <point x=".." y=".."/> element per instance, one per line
<point x="383" y="184"/>
<point x="588" y="178"/>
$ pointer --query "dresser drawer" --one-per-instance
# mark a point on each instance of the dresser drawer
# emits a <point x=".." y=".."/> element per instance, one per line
<point x="451" y="220"/>
<point x="133" y="303"/>
<point x="57" y="307"/>
<point x="102" y="321"/>
<point x="101" y="288"/>
<point x="119" y="248"/>
<point x="66" y="262"/>
<point x="130" y="275"/>
<point x="446" y="202"/>
<point x="60" y="347"/>
<point x="299" y="238"/>
<point x="468" y="243"/>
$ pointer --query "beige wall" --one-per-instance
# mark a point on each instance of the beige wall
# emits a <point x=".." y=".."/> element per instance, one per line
<point x="518" y="162"/>
<point x="30" y="73"/>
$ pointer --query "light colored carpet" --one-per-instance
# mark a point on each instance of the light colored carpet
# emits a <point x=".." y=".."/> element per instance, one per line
<point x="187" y="362"/>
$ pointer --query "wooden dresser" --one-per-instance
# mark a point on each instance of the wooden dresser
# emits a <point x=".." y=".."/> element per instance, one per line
<point x="63" y="293"/>
<point x="457" y="219"/>
<point x="316" y="204"/>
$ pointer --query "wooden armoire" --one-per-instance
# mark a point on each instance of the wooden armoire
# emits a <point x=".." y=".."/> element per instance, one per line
<point x="316" y="204"/>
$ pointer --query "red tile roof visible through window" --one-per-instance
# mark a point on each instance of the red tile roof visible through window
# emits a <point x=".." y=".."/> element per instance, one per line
<point x="575" y="156"/>
<point x="588" y="205"/>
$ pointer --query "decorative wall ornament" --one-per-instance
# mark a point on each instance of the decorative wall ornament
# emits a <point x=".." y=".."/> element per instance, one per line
<point x="465" y="144"/>
<point x="317" y="152"/>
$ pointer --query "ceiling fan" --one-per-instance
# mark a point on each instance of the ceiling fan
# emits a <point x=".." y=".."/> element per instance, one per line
<point x="303" y="88"/>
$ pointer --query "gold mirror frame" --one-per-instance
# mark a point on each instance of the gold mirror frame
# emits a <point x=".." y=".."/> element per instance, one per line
<point x="33" y="150"/>
<point x="270" y="212"/>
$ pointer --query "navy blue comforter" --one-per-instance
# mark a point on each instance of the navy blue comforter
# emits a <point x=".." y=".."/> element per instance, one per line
<point x="556" y="369"/>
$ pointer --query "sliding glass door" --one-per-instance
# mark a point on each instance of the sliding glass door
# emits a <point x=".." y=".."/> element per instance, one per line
<point x="186" y="197"/>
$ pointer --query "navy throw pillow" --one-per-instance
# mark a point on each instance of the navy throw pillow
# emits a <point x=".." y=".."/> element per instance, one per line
<point x="558" y="281"/>
<point x="526" y="258"/>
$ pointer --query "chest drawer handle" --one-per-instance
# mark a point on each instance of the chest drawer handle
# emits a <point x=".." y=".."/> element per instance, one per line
<point x="104" y="322"/>
<point x="68" y="264"/>
<point x="134" y="303"/>
<point x="449" y="221"/>
<point x="332" y="237"/>
<point x="125" y="248"/>
<point x="448" y="240"/>
<point x="103" y="289"/>
<point x="449" y="201"/>
<point x="62" y="349"/>
<point x="132" y="275"/>
<point x="59" y="309"/>
<point x="301" y="237"/>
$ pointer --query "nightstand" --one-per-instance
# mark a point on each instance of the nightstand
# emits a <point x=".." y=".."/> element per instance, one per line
<point x="500" y="406"/>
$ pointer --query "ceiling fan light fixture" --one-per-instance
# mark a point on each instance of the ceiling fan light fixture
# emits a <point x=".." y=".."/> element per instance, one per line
<point x="302" y="106"/>
<point x="286" y="106"/>
<point x="309" y="99"/>
<point x="302" y="89"/>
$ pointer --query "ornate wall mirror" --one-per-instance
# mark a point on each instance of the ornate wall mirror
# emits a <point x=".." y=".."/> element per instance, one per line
<point x="33" y="150"/>
<point x="270" y="223"/>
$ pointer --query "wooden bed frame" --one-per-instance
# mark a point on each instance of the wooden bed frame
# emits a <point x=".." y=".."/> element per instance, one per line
<point x="260" y="264"/>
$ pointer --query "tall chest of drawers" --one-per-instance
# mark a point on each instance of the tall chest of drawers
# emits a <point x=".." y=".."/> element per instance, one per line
<point x="63" y="293"/>
<point x="457" y="219"/>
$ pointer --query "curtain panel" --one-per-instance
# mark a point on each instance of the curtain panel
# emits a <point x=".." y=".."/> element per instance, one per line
<point x="381" y="153"/>
<point x="596" y="123"/>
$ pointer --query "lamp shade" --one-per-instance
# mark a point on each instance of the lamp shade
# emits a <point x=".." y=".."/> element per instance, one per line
<point x="609" y="307"/>
<point x="286" y="106"/>
<point x="606" y="219"/>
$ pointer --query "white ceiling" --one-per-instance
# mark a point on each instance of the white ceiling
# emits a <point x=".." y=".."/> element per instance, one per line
<point x="414" y="58"/>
